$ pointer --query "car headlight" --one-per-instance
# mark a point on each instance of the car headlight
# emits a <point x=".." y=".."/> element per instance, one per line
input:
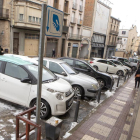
<point x="60" y="96"/>
<point x="95" y="86"/>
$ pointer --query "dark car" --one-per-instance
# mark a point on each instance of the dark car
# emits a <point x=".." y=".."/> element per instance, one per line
<point x="104" y="79"/>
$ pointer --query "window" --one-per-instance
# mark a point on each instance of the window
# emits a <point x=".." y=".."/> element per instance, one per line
<point x="34" y="19"/>
<point x="102" y="61"/>
<point x="54" y="67"/>
<point x="81" y="65"/>
<point x="69" y="61"/>
<point x="40" y="20"/>
<point x="30" y="18"/>
<point x="15" y="71"/>
<point x="78" y="31"/>
<point x="68" y="68"/>
<point x="44" y="63"/>
<point x="31" y="36"/>
<point x="21" y="17"/>
<point x="123" y="32"/>
<point x="110" y="63"/>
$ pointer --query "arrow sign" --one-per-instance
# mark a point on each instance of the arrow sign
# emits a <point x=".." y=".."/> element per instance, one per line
<point x="48" y="20"/>
<point x="54" y="22"/>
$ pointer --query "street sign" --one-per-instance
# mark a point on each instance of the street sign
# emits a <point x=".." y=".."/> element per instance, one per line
<point x="54" y="22"/>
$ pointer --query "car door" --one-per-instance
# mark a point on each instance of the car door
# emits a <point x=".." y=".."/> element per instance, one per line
<point x="12" y="89"/>
<point x="102" y="65"/>
<point x="58" y="70"/>
<point x="111" y="67"/>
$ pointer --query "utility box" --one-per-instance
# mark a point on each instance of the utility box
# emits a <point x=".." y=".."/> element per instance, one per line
<point x="53" y="128"/>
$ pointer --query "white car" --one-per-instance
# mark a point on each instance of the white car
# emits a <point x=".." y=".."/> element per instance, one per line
<point x="107" y="66"/>
<point x="120" y="64"/>
<point x="18" y="84"/>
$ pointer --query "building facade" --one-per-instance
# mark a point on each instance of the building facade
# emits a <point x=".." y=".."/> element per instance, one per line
<point x="5" y="25"/>
<point x="74" y="36"/>
<point x="113" y="35"/>
<point x="132" y="38"/>
<point x="95" y="29"/>
<point x="126" y="42"/>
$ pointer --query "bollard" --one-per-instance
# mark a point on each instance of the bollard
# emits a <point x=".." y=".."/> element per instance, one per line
<point x="111" y="86"/>
<point x="118" y="81"/>
<point x="107" y="70"/>
<point x="125" y="77"/>
<point x="77" y="108"/>
<point x="99" y="95"/>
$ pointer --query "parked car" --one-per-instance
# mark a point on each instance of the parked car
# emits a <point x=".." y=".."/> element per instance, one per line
<point x="105" y="65"/>
<point x="120" y="64"/>
<point x="18" y="84"/>
<point x="82" y="84"/>
<point x="104" y="79"/>
<point x="126" y="64"/>
<point x="134" y="65"/>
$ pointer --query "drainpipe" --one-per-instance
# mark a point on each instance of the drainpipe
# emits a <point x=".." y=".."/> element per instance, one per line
<point x="11" y="28"/>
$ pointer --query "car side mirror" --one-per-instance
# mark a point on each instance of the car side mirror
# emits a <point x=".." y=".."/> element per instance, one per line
<point x="26" y="80"/>
<point x="64" y="74"/>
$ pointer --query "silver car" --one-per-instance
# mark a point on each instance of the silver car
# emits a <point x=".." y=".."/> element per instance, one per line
<point x="82" y="84"/>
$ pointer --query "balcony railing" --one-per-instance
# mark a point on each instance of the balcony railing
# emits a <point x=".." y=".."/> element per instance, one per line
<point x="112" y="43"/>
<point x="80" y="22"/>
<point x="80" y="8"/>
<point x="114" y="32"/>
<point x="73" y="20"/>
<point x="4" y="13"/>
<point x="65" y="29"/>
<point x="74" y="6"/>
<point x="119" y="42"/>
<point x="75" y="37"/>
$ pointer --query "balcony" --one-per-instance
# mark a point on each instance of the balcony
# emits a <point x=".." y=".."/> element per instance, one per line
<point x="112" y="43"/>
<point x="80" y="22"/>
<point x="80" y="8"/>
<point x="4" y="13"/>
<point x="66" y="10"/>
<point x="75" y="37"/>
<point x="119" y="42"/>
<point x="114" y="32"/>
<point x="74" y="6"/>
<point x="65" y="29"/>
<point x="73" y="20"/>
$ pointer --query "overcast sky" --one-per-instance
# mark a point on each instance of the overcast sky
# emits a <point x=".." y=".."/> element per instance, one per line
<point x="128" y="11"/>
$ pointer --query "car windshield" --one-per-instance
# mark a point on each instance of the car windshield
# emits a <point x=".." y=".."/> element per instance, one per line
<point x="68" y="68"/>
<point x="125" y="60"/>
<point x="118" y="63"/>
<point x="47" y="75"/>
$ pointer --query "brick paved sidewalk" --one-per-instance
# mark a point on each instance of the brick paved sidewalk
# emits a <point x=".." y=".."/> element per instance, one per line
<point x="111" y="120"/>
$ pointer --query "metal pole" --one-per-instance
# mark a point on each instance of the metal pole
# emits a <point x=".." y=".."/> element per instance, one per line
<point x="77" y="109"/>
<point x="40" y="63"/>
<point x="118" y="81"/>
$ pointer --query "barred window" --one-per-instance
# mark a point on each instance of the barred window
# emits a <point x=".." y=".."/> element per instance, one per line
<point x="31" y="36"/>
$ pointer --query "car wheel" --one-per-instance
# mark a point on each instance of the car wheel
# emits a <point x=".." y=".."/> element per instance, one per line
<point x="101" y="83"/>
<point x="95" y="67"/>
<point x="45" y="110"/>
<point x="78" y="91"/>
<point x="134" y="68"/>
<point x="120" y="73"/>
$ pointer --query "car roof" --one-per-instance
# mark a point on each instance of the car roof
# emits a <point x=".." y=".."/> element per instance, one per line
<point x="54" y="60"/>
<point x="14" y="60"/>
<point x="72" y="59"/>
